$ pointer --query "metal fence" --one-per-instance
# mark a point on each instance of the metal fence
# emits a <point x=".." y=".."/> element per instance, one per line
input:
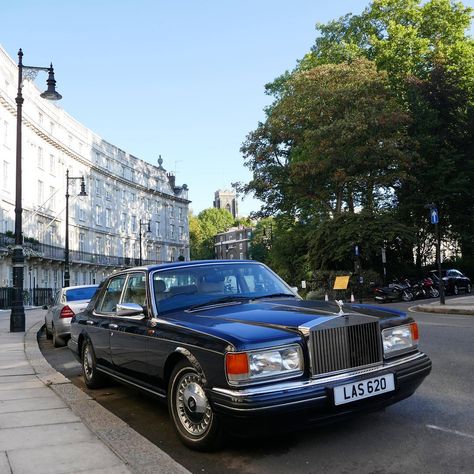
<point x="37" y="297"/>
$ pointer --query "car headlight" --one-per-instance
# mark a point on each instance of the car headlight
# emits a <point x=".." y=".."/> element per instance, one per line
<point x="399" y="338"/>
<point x="242" y="367"/>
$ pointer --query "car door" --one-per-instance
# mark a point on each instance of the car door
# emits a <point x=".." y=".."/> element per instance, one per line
<point x="100" y="316"/>
<point x="128" y="333"/>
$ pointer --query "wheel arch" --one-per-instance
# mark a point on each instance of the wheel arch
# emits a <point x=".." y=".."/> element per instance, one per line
<point x="181" y="354"/>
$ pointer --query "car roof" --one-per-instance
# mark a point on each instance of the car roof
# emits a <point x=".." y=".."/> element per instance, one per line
<point x="79" y="286"/>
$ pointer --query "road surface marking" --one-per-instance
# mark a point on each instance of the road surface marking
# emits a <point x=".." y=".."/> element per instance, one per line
<point x="445" y="430"/>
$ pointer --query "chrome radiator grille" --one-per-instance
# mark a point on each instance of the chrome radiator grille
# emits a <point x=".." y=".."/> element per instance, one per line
<point x="346" y="347"/>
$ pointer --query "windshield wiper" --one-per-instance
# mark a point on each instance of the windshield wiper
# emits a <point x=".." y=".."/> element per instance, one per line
<point x="274" y="295"/>
<point x="225" y="299"/>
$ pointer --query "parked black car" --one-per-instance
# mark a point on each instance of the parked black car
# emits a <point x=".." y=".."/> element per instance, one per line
<point x="231" y="346"/>
<point x="454" y="281"/>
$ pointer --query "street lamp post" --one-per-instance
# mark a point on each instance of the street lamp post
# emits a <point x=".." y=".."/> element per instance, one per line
<point x="66" y="243"/>
<point x="142" y="224"/>
<point x="17" y="316"/>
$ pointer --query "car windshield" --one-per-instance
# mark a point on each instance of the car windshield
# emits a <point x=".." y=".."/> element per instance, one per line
<point x="200" y="285"/>
<point x="76" y="294"/>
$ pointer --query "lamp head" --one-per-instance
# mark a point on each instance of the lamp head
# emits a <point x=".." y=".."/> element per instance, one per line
<point x="51" y="93"/>
<point x="83" y="189"/>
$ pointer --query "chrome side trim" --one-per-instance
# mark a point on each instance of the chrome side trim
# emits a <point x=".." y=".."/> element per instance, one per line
<point x="287" y="386"/>
<point x="299" y="402"/>
<point x="141" y="387"/>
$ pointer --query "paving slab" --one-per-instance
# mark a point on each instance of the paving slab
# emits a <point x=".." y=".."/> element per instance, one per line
<point x="41" y="392"/>
<point x="30" y="404"/>
<point x="65" y="459"/>
<point x="37" y="418"/>
<point x="30" y="437"/>
<point x="18" y="385"/>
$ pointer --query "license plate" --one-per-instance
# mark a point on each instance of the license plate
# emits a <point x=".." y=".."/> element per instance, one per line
<point x="352" y="392"/>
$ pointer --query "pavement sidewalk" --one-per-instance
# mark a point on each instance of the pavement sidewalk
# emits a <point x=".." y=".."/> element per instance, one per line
<point x="47" y="425"/>
<point x="462" y="305"/>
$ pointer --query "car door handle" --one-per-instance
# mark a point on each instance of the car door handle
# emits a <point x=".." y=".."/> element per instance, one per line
<point x="90" y="323"/>
<point x="113" y="326"/>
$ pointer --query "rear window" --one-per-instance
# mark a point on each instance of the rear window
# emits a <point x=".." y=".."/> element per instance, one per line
<point x="77" y="294"/>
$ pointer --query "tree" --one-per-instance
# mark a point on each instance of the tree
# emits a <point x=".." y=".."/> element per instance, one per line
<point x="203" y="229"/>
<point x="336" y="139"/>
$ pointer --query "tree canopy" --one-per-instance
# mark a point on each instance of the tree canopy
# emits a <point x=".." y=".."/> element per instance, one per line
<point x="375" y="122"/>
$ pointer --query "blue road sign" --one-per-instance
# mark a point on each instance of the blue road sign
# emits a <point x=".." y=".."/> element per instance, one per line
<point x="434" y="215"/>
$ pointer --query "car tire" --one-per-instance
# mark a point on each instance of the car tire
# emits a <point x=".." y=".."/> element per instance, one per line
<point x="468" y="288"/>
<point x="455" y="290"/>
<point x="58" y="341"/>
<point x="407" y="296"/>
<point x="434" y="293"/>
<point x="46" y="331"/>
<point x="193" y="418"/>
<point x="92" y="377"/>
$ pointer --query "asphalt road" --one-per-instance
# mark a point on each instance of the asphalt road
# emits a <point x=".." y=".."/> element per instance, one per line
<point x="431" y="432"/>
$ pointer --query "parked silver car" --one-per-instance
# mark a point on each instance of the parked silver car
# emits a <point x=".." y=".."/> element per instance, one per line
<point x="67" y="302"/>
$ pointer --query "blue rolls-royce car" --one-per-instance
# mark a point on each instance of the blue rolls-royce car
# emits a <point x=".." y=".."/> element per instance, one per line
<point x="231" y="346"/>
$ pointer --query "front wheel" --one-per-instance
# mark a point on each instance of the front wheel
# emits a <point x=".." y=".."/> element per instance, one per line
<point x="434" y="293"/>
<point x="92" y="377"/>
<point x="194" y="420"/>
<point x="468" y="288"/>
<point x="455" y="289"/>
<point x="407" y="296"/>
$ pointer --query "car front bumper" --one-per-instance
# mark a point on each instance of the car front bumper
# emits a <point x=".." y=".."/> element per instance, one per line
<point x="311" y="401"/>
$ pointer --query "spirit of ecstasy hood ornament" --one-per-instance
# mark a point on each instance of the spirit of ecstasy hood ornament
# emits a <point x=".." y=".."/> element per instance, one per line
<point x="340" y="303"/>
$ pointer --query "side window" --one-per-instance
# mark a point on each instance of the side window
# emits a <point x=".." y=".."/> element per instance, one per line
<point x="135" y="291"/>
<point x="110" y="298"/>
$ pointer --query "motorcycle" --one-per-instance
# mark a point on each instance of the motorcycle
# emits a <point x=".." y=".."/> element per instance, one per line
<point x="430" y="287"/>
<point x="395" y="291"/>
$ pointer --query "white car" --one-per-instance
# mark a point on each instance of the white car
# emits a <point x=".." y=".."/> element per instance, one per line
<point x="67" y="302"/>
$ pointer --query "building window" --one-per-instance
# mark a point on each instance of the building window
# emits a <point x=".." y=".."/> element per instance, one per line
<point x="52" y="164"/>
<point x="98" y="245"/>
<point x="81" y="213"/>
<point x="171" y="231"/>
<point x="98" y="215"/>
<point x="108" y="218"/>
<point x="134" y="223"/>
<point x="81" y="242"/>
<point x="157" y="229"/>
<point x="5" y="133"/>
<point x="98" y="186"/>
<point x="40" y="193"/>
<point x="40" y="158"/>
<point x="108" y="194"/>
<point x="5" y="174"/>
<point x="123" y="223"/>
<point x="52" y="198"/>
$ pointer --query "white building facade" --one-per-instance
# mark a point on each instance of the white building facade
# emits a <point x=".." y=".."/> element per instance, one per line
<point x="104" y="227"/>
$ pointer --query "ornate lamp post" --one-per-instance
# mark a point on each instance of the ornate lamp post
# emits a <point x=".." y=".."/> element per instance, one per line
<point x="66" y="246"/>
<point x="142" y="224"/>
<point x="17" y="316"/>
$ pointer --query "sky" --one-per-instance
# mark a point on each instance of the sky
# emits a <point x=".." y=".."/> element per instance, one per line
<point x="183" y="79"/>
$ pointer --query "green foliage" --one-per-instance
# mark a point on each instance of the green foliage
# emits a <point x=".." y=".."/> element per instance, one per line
<point x="203" y="229"/>
<point x="375" y="121"/>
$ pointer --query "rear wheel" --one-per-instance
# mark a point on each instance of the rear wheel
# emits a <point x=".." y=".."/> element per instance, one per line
<point x="468" y="288"/>
<point x="92" y="377"/>
<point x="46" y="331"/>
<point x="58" y="341"/>
<point x="194" y="420"/>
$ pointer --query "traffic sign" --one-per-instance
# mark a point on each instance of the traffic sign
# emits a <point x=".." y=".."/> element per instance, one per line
<point x="434" y="215"/>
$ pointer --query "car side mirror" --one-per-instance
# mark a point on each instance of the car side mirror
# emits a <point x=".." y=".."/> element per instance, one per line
<point x="129" y="309"/>
<point x="294" y="289"/>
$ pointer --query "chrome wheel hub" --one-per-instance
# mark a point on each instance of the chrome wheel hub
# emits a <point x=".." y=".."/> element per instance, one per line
<point x="88" y="363"/>
<point x="192" y="405"/>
